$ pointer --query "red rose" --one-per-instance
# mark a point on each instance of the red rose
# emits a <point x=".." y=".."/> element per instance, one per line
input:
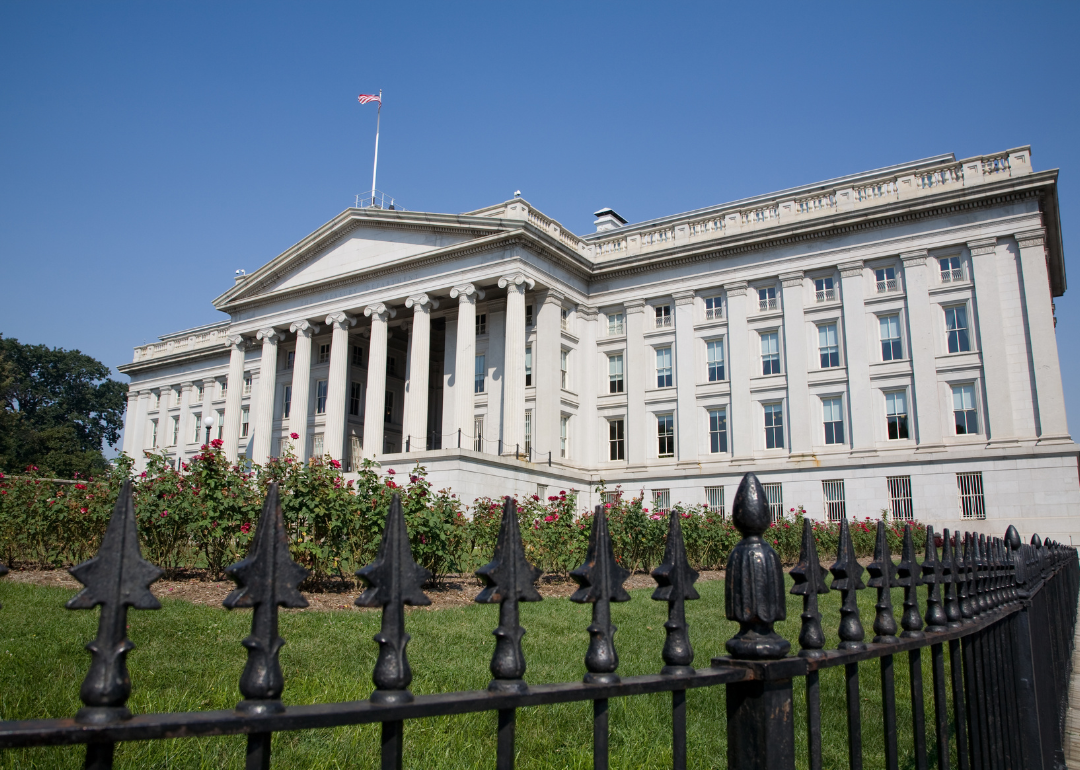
<point x="294" y="436"/>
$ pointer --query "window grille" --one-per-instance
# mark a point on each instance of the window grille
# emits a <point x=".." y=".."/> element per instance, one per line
<point x="766" y="299"/>
<point x="528" y="366"/>
<point x="663" y="367"/>
<point x="824" y="289"/>
<point x="245" y="421"/>
<point x="833" y="417"/>
<point x="714" y="358"/>
<point x="355" y="454"/>
<point x="478" y="434"/>
<point x="564" y="318"/>
<point x="564" y="373"/>
<point x="714" y="308"/>
<point x="615" y="373"/>
<point x="528" y="431"/>
<point x="717" y="430"/>
<point x="615" y="325"/>
<point x="891" y="349"/>
<point x="714" y="497"/>
<point x="155" y="399"/>
<point x="665" y="434"/>
<point x="481" y="324"/>
<point x="896" y="415"/>
<point x="774" y="493"/>
<point x="834" y="499"/>
<point x="354" y="399"/>
<point x="388" y="410"/>
<point x="663" y="316"/>
<point x="964" y="414"/>
<point x="541" y="491"/>
<point x="970" y="487"/>
<point x="196" y="433"/>
<point x="661" y="500"/>
<point x="319" y="447"/>
<point x="286" y="402"/>
<point x="951" y="269"/>
<point x="174" y="431"/>
<point x="198" y="393"/>
<point x="247" y="384"/>
<point x="564" y="434"/>
<point x="956" y="328"/>
<point x="900" y="498"/>
<point x="610" y="497"/>
<point x="479" y="371"/>
<point x="223" y="388"/>
<point x="616" y="440"/>
<point x="886" y="280"/>
<point x="774" y="426"/>
<point x="220" y="424"/>
<point x="324" y="354"/>
<point x="320" y="397"/>
<point x="770" y="353"/>
<point x="828" y="346"/>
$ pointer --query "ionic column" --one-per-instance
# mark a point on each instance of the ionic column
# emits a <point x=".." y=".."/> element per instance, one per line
<point x="464" y="357"/>
<point x="234" y="392"/>
<point x="1038" y="306"/>
<point x="923" y="364"/>
<point x="183" y="429"/>
<point x="686" y="415"/>
<point x="798" y="392"/>
<point x="301" y="386"/>
<point x="998" y="425"/>
<point x="635" y="376"/>
<point x="334" y="443"/>
<point x="513" y="426"/>
<point x="740" y="418"/>
<point x="862" y="419"/>
<point x="163" y="423"/>
<point x="416" y="388"/>
<point x="582" y="436"/>
<point x="262" y="421"/>
<point x="142" y="420"/>
<point x="131" y="426"/>
<point x="376" y="379"/>
<point x="546" y="374"/>
<point x="209" y="383"/>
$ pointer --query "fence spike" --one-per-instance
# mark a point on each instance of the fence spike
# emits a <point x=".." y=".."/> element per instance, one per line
<point x="932" y="577"/>
<point x="266" y="579"/>
<point x="847" y="579"/>
<point x="951" y="576"/>
<point x="981" y="599"/>
<point x="971" y="566"/>
<point x="1015" y="564"/>
<point x="601" y="582"/>
<point x="116" y="578"/>
<point x="675" y="585"/>
<point x="883" y="578"/>
<point x="754" y="588"/>
<point x="1036" y="540"/>
<point x="809" y="577"/>
<point x="509" y="579"/>
<point x="393" y="581"/>
<point x="907" y="575"/>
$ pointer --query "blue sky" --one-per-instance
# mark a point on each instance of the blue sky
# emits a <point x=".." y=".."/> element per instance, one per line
<point x="147" y="150"/>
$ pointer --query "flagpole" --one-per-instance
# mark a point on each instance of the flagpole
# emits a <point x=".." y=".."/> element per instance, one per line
<point x="375" y="170"/>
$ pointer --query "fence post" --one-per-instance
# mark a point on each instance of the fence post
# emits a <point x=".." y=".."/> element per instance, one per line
<point x="760" y="714"/>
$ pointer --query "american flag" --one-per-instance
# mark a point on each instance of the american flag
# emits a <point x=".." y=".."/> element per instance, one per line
<point x="365" y="98"/>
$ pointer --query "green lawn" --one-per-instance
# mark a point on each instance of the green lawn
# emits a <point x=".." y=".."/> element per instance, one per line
<point x="189" y="657"/>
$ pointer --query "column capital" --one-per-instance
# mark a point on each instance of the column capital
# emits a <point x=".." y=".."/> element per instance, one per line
<point x="982" y="246"/>
<point x="517" y="282"/>
<point x="208" y="381"/>
<point x="685" y="297"/>
<point x="1029" y="238"/>
<point x="553" y="297"/>
<point x="304" y="327"/>
<point x="788" y="280"/>
<point x="380" y="311"/>
<point x="588" y="312"/>
<point x="634" y="306"/>
<point x="146" y="392"/>
<point x="466" y="292"/>
<point x="851" y="269"/>
<point x="420" y="302"/>
<point x="133" y="395"/>
<point x="187" y="385"/>
<point x="340" y="320"/>
<point x="736" y="289"/>
<point x="236" y="342"/>
<point x="269" y="334"/>
<point x="914" y="258"/>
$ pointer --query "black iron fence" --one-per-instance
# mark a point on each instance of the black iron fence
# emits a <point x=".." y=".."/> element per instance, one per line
<point x="1004" y="611"/>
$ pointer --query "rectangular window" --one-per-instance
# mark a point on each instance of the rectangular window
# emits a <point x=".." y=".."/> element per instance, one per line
<point x="767" y="299"/>
<point x="388" y="407"/>
<point x="774" y="425"/>
<point x="828" y="346"/>
<point x="891" y="349"/>
<point x="896" y="414"/>
<point x="247" y="384"/>
<point x="714" y="308"/>
<point x="355" y="454"/>
<point x="665" y="434"/>
<point x="223" y="388"/>
<point x="245" y="422"/>
<point x="663" y="367"/>
<point x="219" y="424"/>
<point x="479" y="372"/>
<point x="615" y="373"/>
<point x="970" y="487"/>
<point x="153" y="433"/>
<point x="886" y="279"/>
<point x="354" y="399"/>
<point x="714" y="497"/>
<point x="541" y="491"/>
<point x="616" y="440"/>
<point x="900" y="498"/>
<point x="964" y="413"/>
<point x="174" y="431"/>
<point x="951" y="269"/>
<point x="528" y="432"/>
<point x="481" y="324"/>
<point x="290" y="359"/>
<point x="834" y="500"/>
<point x="286" y="402"/>
<point x="478" y="434"/>
<point x="528" y="316"/>
<point x="391" y="366"/>
<point x="564" y="372"/>
<point x="824" y="290"/>
<point x="197" y="428"/>
<point x="770" y="353"/>
<point x="155" y="399"/>
<point x="564" y="318"/>
<point x="663" y="316"/>
<point x="318" y="445"/>
<point x="833" y="416"/>
<point x="324" y="353"/>
<point x="320" y="397"/>
<point x="564" y="435"/>
<point x="774" y="493"/>
<point x="198" y="393"/>
<point x="357" y="355"/>
<point x="661" y="500"/>
<point x="717" y="430"/>
<point x="615" y="324"/>
<point x="957" y="328"/>
<point x="528" y="367"/>
<point x="714" y="360"/>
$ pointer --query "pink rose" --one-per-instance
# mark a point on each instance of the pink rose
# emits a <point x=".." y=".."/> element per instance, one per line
<point x="294" y="436"/>
<point x="607" y="505"/>
<point x="391" y="471"/>
<point x="549" y="518"/>
<point x="245" y="527"/>
<point x="82" y="510"/>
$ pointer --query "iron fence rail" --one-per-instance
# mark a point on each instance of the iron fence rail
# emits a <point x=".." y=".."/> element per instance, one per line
<point x="1004" y="612"/>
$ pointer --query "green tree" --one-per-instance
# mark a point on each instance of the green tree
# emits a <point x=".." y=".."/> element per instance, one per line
<point x="58" y="409"/>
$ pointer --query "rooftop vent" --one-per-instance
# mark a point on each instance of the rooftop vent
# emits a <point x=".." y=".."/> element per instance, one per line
<point x="607" y="219"/>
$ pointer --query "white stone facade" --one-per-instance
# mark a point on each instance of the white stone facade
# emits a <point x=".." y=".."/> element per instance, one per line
<point x="839" y="332"/>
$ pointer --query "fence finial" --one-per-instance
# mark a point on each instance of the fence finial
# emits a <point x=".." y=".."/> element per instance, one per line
<point x="907" y="575"/>
<point x="847" y="579"/>
<point x="951" y="574"/>
<point x="883" y="578"/>
<point x="982" y="569"/>
<point x="675" y="585"/>
<point x="267" y="579"/>
<point x="754" y="588"/>
<point x="116" y="578"/>
<point x="1012" y="538"/>
<point x="1036" y="540"/>
<point x="809" y="577"/>
<point x="931" y="570"/>
<point x="393" y="581"/>
<point x="509" y="578"/>
<point x="601" y="582"/>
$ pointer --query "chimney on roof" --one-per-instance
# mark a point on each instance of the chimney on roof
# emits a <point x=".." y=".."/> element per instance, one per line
<point x="607" y="219"/>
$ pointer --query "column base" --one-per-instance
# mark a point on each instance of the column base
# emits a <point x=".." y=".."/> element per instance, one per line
<point x="687" y="464"/>
<point x="802" y="457"/>
<point x="930" y="448"/>
<point x="1055" y="438"/>
<point x="864" y="452"/>
<point x="1003" y="442"/>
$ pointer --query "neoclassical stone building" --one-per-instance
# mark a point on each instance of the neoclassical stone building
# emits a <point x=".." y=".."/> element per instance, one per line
<point x="884" y="340"/>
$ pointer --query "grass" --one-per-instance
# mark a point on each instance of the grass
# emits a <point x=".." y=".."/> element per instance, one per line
<point x="188" y="657"/>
